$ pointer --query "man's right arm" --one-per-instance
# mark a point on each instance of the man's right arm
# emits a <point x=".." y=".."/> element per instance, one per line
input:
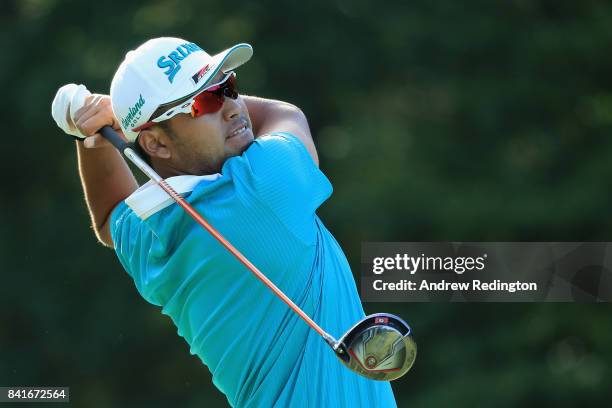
<point x="105" y="176"/>
<point x="269" y="115"/>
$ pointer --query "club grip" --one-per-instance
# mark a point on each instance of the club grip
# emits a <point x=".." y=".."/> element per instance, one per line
<point x="113" y="137"/>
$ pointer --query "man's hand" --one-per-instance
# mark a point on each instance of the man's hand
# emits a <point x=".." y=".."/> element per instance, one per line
<point x="95" y="114"/>
<point x="68" y="99"/>
<point x="80" y="114"/>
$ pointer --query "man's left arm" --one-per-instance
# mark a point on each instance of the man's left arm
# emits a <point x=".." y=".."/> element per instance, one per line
<point x="269" y="115"/>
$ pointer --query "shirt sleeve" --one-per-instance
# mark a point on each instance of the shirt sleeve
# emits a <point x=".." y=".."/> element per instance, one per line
<point x="121" y="228"/>
<point x="135" y="245"/>
<point x="285" y="178"/>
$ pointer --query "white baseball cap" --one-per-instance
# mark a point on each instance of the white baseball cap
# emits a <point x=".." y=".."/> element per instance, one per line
<point x="163" y="71"/>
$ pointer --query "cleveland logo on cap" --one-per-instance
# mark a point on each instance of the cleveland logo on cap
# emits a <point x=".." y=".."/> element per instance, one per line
<point x="173" y="60"/>
<point x="134" y="113"/>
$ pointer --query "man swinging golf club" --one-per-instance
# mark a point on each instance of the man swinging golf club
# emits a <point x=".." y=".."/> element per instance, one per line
<point x="248" y="166"/>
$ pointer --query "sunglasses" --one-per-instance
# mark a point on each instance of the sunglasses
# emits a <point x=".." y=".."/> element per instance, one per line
<point x="208" y="101"/>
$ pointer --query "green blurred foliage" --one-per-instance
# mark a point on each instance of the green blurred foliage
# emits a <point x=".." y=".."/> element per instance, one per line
<point x="434" y="121"/>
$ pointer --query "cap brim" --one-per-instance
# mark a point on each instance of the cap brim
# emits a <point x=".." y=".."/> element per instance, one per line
<point x="224" y="61"/>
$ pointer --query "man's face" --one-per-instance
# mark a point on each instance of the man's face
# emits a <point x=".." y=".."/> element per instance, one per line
<point x="201" y="145"/>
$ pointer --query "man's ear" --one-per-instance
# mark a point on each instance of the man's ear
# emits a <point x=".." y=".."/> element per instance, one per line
<point x="154" y="142"/>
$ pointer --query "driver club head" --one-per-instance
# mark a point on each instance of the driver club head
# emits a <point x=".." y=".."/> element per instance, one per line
<point x="379" y="347"/>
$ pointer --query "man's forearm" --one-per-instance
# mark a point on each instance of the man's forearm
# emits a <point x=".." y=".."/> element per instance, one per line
<point x="269" y="115"/>
<point x="106" y="180"/>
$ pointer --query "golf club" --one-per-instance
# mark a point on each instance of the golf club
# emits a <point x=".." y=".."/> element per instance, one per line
<point x="379" y="347"/>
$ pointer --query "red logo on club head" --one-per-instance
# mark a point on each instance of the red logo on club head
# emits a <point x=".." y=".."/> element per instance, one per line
<point x="381" y="320"/>
<point x="370" y="362"/>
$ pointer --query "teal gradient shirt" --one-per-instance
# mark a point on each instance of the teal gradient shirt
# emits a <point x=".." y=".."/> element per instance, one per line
<point x="260" y="353"/>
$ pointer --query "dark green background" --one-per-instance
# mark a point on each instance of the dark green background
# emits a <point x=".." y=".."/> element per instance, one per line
<point x="434" y="120"/>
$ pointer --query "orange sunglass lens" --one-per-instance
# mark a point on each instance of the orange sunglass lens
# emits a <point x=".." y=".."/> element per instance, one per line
<point x="206" y="102"/>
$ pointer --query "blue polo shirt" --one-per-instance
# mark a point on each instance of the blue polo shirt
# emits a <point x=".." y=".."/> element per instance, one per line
<point x="260" y="353"/>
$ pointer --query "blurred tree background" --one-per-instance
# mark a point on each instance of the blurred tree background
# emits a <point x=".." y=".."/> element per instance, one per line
<point x="478" y="121"/>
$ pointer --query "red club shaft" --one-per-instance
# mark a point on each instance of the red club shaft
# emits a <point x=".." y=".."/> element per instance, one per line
<point x="200" y="220"/>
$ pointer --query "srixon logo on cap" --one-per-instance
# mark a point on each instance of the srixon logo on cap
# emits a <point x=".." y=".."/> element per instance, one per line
<point x="173" y="60"/>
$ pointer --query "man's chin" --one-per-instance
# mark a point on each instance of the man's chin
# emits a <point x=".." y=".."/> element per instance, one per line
<point x="238" y="144"/>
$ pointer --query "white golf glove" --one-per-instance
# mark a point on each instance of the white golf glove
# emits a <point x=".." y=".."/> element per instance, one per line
<point x="69" y="99"/>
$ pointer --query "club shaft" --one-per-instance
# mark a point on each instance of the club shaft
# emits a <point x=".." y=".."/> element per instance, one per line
<point x="116" y="140"/>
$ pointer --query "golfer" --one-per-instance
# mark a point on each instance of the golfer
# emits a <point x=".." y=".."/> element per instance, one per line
<point x="250" y="167"/>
